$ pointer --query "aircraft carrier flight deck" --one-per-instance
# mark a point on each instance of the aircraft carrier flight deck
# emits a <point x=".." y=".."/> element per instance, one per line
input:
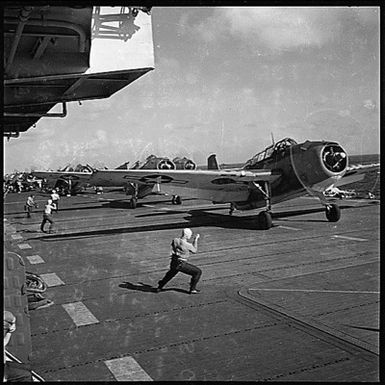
<point x="298" y="302"/>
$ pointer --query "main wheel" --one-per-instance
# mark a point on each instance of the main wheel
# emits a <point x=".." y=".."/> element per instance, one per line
<point x="333" y="213"/>
<point x="133" y="203"/>
<point x="178" y="200"/>
<point x="265" y="220"/>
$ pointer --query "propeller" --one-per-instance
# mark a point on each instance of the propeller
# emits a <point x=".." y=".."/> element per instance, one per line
<point x="334" y="158"/>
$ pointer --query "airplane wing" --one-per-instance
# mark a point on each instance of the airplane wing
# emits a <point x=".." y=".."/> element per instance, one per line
<point x="356" y="173"/>
<point x="217" y="186"/>
<point x="64" y="175"/>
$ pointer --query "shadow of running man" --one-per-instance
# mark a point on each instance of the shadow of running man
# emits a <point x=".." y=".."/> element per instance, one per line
<point x="148" y="288"/>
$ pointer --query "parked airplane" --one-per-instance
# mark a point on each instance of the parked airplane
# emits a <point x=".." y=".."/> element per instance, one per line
<point x="140" y="190"/>
<point x="67" y="180"/>
<point x="283" y="171"/>
<point x="74" y="179"/>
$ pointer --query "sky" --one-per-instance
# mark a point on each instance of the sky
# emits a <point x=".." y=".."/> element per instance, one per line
<point x="225" y="80"/>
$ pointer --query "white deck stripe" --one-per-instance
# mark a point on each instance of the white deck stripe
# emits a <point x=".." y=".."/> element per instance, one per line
<point x="16" y="236"/>
<point x="127" y="369"/>
<point x="51" y="279"/>
<point x="148" y="205"/>
<point x="288" y="227"/>
<point x="322" y="291"/>
<point x="24" y="246"/>
<point x="80" y="313"/>
<point x="349" y="238"/>
<point x="35" y="259"/>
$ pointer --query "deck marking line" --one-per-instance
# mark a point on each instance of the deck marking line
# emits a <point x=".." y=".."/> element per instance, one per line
<point x="35" y="259"/>
<point x="349" y="238"/>
<point x="321" y="291"/>
<point x="127" y="369"/>
<point x="24" y="246"/>
<point x="288" y="227"/>
<point x="16" y="236"/>
<point x="148" y="205"/>
<point x="80" y="313"/>
<point x="51" y="279"/>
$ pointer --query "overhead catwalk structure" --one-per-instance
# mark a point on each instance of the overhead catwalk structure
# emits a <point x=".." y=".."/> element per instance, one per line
<point x="54" y="55"/>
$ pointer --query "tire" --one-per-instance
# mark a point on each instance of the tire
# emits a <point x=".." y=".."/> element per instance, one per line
<point x="178" y="200"/>
<point x="265" y="220"/>
<point x="133" y="203"/>
<point x="333" y="213"/>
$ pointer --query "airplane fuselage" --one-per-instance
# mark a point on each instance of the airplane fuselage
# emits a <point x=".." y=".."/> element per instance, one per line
<point x="304" y="168"/>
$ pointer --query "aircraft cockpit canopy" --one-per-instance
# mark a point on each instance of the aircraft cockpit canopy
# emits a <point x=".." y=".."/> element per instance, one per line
<point x="79" y="168"/>
<point x="271" y="151"/>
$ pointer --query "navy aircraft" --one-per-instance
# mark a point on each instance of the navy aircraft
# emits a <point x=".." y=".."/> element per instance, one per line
<point x="74" y="179"/>
<point x="67" y="180"/>
<point x="282" y="171"/>
<point x="140" y="190"/>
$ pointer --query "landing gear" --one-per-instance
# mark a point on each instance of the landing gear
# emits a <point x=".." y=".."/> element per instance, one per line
<point x="133" y="202"/>
<point x="176" y="200"/>
<point x="134" y="199"/>
<point x="232" y="208"/>
<point x="265" y="220"/>
<point x="333" y="212"/>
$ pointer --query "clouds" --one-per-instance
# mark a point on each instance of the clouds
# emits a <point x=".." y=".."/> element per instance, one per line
<point x="267" y="29"/>
<point x="224" y="79"/>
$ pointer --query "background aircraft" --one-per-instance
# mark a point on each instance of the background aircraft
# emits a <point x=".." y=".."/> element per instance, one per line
<point x="140" y="190"/>
<point x="282" y="171"/>
<point x="68" y="180"/>
<point x="72" y="180"/>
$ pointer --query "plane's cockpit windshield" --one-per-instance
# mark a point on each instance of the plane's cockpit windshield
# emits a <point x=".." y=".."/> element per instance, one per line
<point x="79" y="168"/>
<point x="277" y="148"/>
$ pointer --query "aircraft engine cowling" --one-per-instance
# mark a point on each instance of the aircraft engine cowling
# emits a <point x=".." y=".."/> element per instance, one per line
<point x="317" y="165"/>
<point x="165" y="164"/>
<point x="157" y="163"/>
<point x="184" y="164"/>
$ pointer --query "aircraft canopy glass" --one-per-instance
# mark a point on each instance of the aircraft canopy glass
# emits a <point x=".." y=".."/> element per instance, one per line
<point x="273" y="149"/>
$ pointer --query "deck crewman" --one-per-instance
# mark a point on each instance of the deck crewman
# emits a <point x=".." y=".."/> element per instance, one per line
<point x="180" y="252"/>
<point x="30" y="204"/>
<point x="55" y="199"/>
<point x="47" y="216"/>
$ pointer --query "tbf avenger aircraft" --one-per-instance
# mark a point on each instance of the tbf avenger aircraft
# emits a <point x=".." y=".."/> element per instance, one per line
<point x="74" y="180"/>
<point x="67" y="179"/>
<point x="283" y="171"/>
<point x="140" y="190"/>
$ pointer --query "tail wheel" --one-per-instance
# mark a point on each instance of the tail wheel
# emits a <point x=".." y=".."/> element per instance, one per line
<point x="133" y="203"/>
<point x="176" y="200"/>
<point x="333" y="213"/>
<point x="265" y="220"/>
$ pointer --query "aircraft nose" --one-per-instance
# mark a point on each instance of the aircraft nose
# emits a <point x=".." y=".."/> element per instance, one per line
<point x="334" y="157"/>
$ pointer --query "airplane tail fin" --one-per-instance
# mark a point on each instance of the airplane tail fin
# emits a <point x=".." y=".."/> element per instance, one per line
<point x="123" y="166"/>
<point x="212" y="163"/>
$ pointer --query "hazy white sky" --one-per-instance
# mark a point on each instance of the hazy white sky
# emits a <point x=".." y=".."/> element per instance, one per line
<point x="224" y="79"/>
